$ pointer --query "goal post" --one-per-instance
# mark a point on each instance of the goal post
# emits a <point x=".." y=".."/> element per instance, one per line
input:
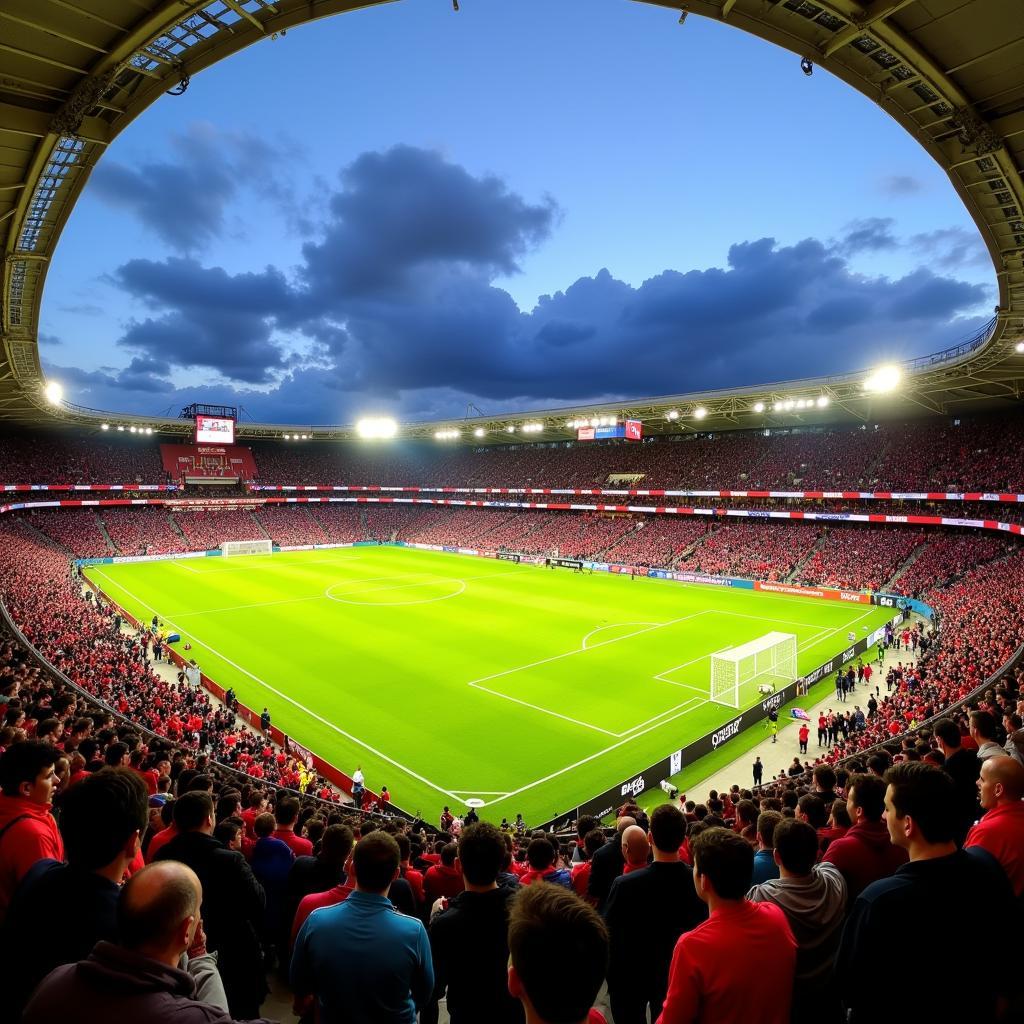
<point x="246" y="547"/>
<point x="736" y="673"/>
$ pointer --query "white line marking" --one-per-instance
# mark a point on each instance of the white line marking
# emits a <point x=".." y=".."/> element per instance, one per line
<point x="182" y="564"/>
<point x="612" y="625"/>
<point x="285" y="697"/>
<point x="485" y="792"/>
<point x="401" y="586"/>
<point x="596" y="754"/>
<point x="580" y="650"/>
<point x="546" y="711"/>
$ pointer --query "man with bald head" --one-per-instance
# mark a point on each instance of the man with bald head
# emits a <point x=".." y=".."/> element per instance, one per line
<point x="635" y="849"/>
<point x="646" y="912"/>
<point x="607" y="864"/>
<point x="141" y="978"/>
<point x="1001" y="828"/>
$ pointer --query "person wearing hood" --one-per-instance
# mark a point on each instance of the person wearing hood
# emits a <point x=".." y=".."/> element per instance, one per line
<point x="28" y="831"/>
<point x="865" y="854"/>
<point x="146" y="975"/>
<point x="813" y="898"/>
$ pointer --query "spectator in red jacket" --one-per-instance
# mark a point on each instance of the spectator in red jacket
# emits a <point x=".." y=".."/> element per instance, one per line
<point x="286" y="813"/>
<point x="1001" y="828"/>
<point x="443" y="879"/>
<point x="710" y="978"/>
<point x="28" y="832"/>
<point x="865" y="854"/>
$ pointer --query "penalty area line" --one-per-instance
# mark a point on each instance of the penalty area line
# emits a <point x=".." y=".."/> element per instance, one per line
<point x="290" y="700"/>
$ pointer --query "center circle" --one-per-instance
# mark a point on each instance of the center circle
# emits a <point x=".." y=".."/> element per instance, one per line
<point x="390" y="595"/>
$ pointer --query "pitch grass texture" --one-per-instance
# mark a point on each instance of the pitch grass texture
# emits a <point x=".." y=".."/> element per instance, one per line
<point x="449" y="677"/>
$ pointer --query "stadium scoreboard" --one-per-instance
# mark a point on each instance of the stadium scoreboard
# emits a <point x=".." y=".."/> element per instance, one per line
<point x="631" y="430"/>
<point x="215" y="430"/>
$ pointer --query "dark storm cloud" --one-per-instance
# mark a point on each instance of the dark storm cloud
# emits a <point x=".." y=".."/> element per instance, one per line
<point x="407" y="214"/>
<point x="397" y="308"/>
<point x="184" y="200"/>
<point x="208" y="318"/>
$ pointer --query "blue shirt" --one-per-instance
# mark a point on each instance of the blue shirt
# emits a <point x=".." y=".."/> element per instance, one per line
<point x="765" y="868"/>
<point x="364" y="961"/>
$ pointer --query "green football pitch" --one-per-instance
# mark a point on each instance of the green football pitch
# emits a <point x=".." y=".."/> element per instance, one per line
<point x="449" y="677"/>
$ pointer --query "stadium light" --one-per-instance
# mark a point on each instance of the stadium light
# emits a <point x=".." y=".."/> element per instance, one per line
<point x="447" y="435"/>
<point x="511" y="428"/>
<point x="822" y="401"/>
<point x="376" y="427"/>
<point x="759" y="407"/>
<point x="479" y="432"/>
<point x="120" y="426"/>
<point x="104" y="426"/>
<point x="673" y="414"/>
<point x="532" y="428"/>
<point x="700" y="412"/>
<point x="884" y="379"/>
<point x="54" y="392"/>
<point x="304" y="436"/>
<point x="1019" y="347"/>
<point x="149" y="430"/>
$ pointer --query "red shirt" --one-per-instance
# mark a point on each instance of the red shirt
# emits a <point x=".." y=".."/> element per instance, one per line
<point x="1001" y="832"/>
<point x="159" y="840"/>
<point x="710" y="978"/>
<point x="317" y="900"/>
<point x="804" y="733"/>
<point x="299" y="846"/>
<point x="581" y="879"/>
<point x="35" y="837"/>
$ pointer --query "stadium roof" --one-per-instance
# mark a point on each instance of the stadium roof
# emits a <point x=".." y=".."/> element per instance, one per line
<point x="74" y="73"/>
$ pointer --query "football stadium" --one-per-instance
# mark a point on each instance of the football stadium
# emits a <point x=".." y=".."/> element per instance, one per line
<point x="607" y="705"/>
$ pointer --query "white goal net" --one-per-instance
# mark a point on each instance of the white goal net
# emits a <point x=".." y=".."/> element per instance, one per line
<point x="247" y="547"/>
<point x="738" y="674"/>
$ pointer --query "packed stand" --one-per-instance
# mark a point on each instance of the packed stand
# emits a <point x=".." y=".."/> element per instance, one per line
<point x="945" y="557"/>
<point x="289" y="525"/>
<point x="751" y="550"/>
<point x="657" y="541"/>
<point x="76" y="529"/>
<point x="56" y="457"/>
<point x="207" y="529"/>
<point x="859" y="558"/>
<point x="140" y="531"/>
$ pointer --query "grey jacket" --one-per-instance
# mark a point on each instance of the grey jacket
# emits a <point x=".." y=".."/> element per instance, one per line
<point x="114" y="984"/>
<point x="814" y="905"/>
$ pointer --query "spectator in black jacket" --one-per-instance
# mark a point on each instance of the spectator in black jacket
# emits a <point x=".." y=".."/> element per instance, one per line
<point x="233" y="902"/>
<point x="102" y="821"/>
<point x="607" y="864"/>
<point x="469" y="940"/>
<point x="646" y="912"/>
<point x="963" y="767"/>
<point x="920" y="814"/>
<point x="318" y="874"/>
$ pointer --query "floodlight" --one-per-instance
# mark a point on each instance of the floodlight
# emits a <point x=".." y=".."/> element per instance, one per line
<point x="376" y="427"/>
<point x="149" y="430"/>
<point x="120" y="426"/>
<point x="132" y="429"/>
<point x="788" y="404"/>
<point x="104" y="426"/>
<point x="700" y="412"/>
<point x="673" y="414"/>
<point x="287" y="437"/>
<point x="822" y="401"/>
<point x="885" y="378"/>
<point x="777" y="407"/>
<point x="54" y="392"/>
<point x="759" y="407"/>
<point x="511" y="428"/>
<point x="1019" y="347"/>
<point x="303" y="437"/>
<point x="479" y="432"/>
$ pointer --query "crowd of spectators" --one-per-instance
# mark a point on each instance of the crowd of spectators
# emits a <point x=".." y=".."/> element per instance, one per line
<point x="141" y="530"/>
<point x="971" y="454"/>
<point x="77" y="529"/>
<point x="289" y="525"/>
<point x="657" y="541"/>
<point x="746" y="548"/>
<point x="859" y="558"/>
<point x="188" y="876"/>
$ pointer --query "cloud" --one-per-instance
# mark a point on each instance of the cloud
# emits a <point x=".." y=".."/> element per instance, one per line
<point x="394" y="307"/>
<point x="873" y="234"/>
<point x="82" y="309"/>
<point x="951" y="248"/>
<point x="184" y="201"/>
<point x="901" y="185"/>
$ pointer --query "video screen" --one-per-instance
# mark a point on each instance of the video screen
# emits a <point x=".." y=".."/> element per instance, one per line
<point x="215" y="430"/>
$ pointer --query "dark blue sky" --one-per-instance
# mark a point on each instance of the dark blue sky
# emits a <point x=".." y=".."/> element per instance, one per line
<point x="523" y="204"/>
